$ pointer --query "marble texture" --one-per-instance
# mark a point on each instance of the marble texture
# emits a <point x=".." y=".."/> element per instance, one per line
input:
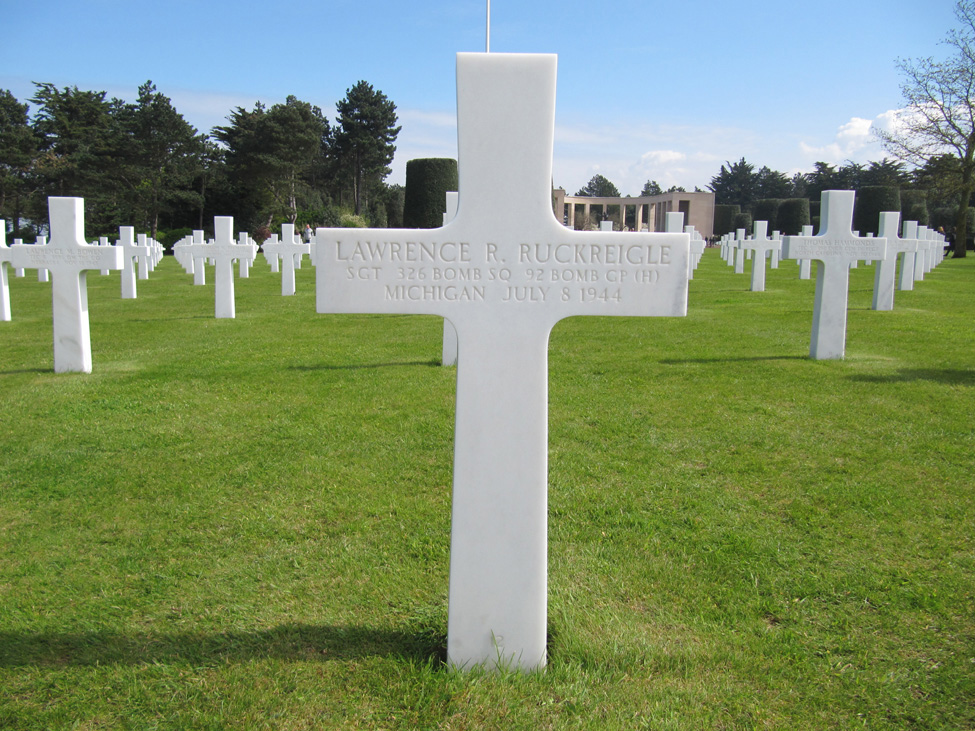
<point x="503" y="271"/>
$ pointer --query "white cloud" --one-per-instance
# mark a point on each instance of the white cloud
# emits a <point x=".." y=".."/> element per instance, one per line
<point x="662" y="157"/>
<point x="424" y="133"/>
<point x="855" y="141"/>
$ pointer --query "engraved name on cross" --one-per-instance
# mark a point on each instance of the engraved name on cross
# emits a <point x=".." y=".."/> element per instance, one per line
<point x="503" y="281"/>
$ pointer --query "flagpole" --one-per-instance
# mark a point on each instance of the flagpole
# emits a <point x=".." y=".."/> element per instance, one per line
<point x="487" y="48"/>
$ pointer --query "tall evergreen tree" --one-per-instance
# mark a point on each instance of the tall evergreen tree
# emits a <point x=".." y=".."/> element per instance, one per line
<point x="18" y="151"/>
<point x="735" y="184"/>
<point x="271" y="154"/>
<point x="165" y="156"/>
<point x="364" y="136"/>
<point x="599" y="187"/>
<point x="651" y="188"/>
<point x="81" y="150"/>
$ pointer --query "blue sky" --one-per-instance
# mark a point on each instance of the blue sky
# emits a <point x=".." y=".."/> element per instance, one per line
<point x="647" y="90"/>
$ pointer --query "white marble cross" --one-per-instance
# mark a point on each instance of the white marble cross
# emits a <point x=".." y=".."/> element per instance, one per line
<point x="836" y="249"/>
<point x="504" y="271"/>
<point x="223" y="252"/>
<point x="4" y="280"/>
<point x="43" y="275"/>
<point x="905" y="279"/>
<point x="198" y="254"/>
<point x="883" y="280"/>
<point x="245" y="262"/>
<point x="921" y="255"/>
<point x="289" y="250"/>
<point x="698" y="244"/>
<point x="448" y="353"/>
<point x="740" y="251"/>
<point x="271" y="259"/>
<point x="103" y="241"/>
<point x="145" y="255"/>
<point x="68" y="257"/>
<point x="805" y="265"/>
<point x="759" y="244"/>
<point x="130" y="252"/>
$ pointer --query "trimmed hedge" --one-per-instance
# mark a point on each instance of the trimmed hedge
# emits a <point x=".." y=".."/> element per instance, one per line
<point x="767" y="209"/>
<point x="427" y="181"/>
<point x="914" y="206"/>
<point x="742" y="220"/>
<point x="724" y="214"/>
<point x="871" y="201"/>
<point x="793" y="215"/>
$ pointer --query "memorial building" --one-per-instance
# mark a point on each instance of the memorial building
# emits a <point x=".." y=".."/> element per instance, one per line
<point x="639" y="214"/>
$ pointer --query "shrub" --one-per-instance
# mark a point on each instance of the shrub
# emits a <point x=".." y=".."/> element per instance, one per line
<point x="169" y="238"/>
<point x="871" y="201"/>
<point x="767" y="209"/>
<point x="350" y="220"/>
<point x="742" y="220"/>
<point x="723" y="216"/>
<point x="793" y="215"/>
<point x="914" y="206"/>
<point x="427" y="182"/>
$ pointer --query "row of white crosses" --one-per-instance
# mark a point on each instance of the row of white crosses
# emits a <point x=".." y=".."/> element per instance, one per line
<point x="289" y="249"/>
<point x="838" y="247"/>
<point x="736" y="248"/>
<point x="193" y="252"/>
<point x="67" y="257"/>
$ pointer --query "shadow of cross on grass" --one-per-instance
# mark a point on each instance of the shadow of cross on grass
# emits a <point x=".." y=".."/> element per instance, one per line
<point x="284" y="642"/>
<point x="950" y="376"/>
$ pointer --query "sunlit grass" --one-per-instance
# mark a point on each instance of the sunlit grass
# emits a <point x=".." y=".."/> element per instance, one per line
<point x="245" y="523"/>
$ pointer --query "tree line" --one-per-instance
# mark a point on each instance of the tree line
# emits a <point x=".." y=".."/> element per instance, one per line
<point x="143" y="164"/>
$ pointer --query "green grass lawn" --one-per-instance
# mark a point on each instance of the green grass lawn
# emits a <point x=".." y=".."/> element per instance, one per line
<point x="237" y="524"/>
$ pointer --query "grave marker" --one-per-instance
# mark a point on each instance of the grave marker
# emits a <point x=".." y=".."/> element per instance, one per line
<point x="448" y="353"/>
<point x="905" y="280"/>
<point x="4" y="281"/>
<point x="268" y="247"/>
<point x="920" y="256"/>
<point x="289" y="249"/>
<point x="740" y="251"/>
<point x="144" y="256"/>
<point x="759" y="244"/>
<point x="130" y="252"/>
<point x="836" y="248"/>
<point x="68" y="257"/>
<point x="883" y="280"/>
<point x="43" y="275"/>
<point x="503" y="281"/>
<point x="198" y="253"/>
<point x="805" y="265"/>
<point x="223" y="252"/>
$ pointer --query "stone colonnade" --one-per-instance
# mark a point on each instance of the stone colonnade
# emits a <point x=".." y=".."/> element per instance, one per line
<point x="650" y="211"/>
